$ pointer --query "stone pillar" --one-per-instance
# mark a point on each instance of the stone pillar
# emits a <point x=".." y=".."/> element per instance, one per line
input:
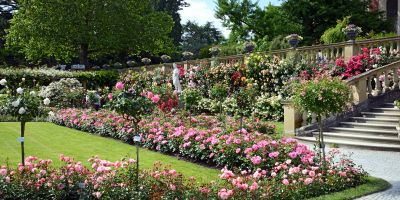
<point x="350" y="49"/>
<point x="292" y="119"/>
<point x="359" y="90"/>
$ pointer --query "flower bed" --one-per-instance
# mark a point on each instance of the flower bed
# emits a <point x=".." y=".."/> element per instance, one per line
<point x="116" y="180"/>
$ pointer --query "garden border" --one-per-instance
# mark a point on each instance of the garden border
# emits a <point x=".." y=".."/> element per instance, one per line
<point x="373" y="185"/>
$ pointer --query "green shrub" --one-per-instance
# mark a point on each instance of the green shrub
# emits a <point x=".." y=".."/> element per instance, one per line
<point x="41" y="77"/>
<point x="335" y="34"/>
<point x="67" y="92"/>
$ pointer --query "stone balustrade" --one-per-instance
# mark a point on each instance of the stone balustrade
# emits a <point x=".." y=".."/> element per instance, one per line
<point x="370" y="84"/>
<point x="310" y="54"/>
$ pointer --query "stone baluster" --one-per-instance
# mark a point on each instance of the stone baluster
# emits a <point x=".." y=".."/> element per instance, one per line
<point x="332" y="56"/>
<point x="313" y="118"/>
<point x="378" y="85"/>
<point x="386" y="82"/>
<point x="395" y="79"/>
<point x="369" y="85"/>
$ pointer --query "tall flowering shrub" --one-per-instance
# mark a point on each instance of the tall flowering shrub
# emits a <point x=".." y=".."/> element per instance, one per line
<point x="24" y="105"/>
<point x="322" y="96"/>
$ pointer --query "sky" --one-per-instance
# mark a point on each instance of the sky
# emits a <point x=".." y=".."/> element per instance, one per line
<point x="202" y="11"/>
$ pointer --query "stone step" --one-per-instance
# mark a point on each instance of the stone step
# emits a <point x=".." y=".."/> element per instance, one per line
<point x="368" y="125"/>
<point x="375" y="120"/>
<point x="360" y="137"/>
<point x="354" y="144"/>
<point x="363" y="130"/>
<point x="388" y="105"/>
<point x="381" y="115"/>
<point x="386" y="110"/>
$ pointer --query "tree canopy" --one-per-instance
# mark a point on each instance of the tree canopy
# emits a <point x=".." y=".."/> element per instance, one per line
<point x="309" y="18"/>
<point x="195" y="36"/>
<point x="63" y="29"/>
<point x="172" y="7"/>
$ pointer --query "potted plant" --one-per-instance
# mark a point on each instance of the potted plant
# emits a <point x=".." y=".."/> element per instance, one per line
<point x="131" y="63"/>
<point x="352" y="31"/>
<point x="293" y="39"/>
<point x="146" y="61"/>
<point x="187" y="55"/>
<point x="214" y="51"/>
<point x="248" y="47"/>
<point x="165" y="58"/>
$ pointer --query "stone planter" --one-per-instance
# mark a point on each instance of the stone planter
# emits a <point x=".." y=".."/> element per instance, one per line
<point x="293" y="42"/>
<point x="351" y="35"/>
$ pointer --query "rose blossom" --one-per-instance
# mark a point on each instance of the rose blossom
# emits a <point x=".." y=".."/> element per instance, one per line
<point x="119" y="85"/>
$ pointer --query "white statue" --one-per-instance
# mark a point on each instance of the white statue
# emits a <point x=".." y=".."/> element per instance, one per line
<point x="175" y="79"/>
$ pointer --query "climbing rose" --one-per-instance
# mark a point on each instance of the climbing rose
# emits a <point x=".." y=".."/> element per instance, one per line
<point x="46" y="101"/>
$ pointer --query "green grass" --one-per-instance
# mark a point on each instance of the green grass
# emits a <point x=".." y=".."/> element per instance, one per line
<point x="48" y="141"/>
<point x="373" y="185"/>
<point x="278" y="127"/>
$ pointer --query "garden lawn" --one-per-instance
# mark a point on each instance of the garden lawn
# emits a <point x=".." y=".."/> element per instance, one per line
<point x="48" y="141"/>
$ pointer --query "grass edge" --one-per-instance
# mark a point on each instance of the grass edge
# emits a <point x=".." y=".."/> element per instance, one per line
<point x="373" y="185"/>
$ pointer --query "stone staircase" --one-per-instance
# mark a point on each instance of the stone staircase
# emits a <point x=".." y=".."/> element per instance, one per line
<point x="375" y="129"/>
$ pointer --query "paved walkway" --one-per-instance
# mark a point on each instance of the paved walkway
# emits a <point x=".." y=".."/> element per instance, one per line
<point x="380" y="164"/>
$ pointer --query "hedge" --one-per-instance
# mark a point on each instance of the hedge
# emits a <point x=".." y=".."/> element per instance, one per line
<point x="43" y="76"/>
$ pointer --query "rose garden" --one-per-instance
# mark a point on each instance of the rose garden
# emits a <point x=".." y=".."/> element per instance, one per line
<point x="160" y="124"/>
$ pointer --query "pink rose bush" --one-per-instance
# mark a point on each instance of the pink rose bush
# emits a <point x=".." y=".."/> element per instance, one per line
<point x="114" y="180"/>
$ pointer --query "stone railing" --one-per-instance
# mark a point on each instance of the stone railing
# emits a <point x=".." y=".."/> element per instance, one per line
<point x="364" y="86"/>
<point x="311" y="54"/>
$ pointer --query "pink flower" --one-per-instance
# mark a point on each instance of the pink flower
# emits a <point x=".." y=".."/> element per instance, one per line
<point x="308" y="181"/>
<point x="156" y="98"/>
<point x="8" y="179"/>
<point x="172" y="187"/>
<point x="150" y="95"/>
<point x="285" y="181"/>
<point x="273" y="154"/>
<point x="3" y="172"/>
<point x="311" y="173"/>
<point x="256" y="160"/>
<point x="224" y="193"/>
<point x="110" y="96"/>
<point x="254" y="186"/>
<point x="119" y="85"/>
<point x="97" y="195"/>
<point x="237" y="150"/>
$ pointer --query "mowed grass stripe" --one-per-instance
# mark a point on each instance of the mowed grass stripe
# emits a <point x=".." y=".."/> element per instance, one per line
<point x="48" y="141"/>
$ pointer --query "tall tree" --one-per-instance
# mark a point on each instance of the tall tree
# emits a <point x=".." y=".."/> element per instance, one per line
<point x="63" y="29"/>
<point x="309" y="18"/>
<point x="248" y="20"/>
<point x="197" y="36"/>
<point x="172" y="7"/>
<point x="318" y="15"/>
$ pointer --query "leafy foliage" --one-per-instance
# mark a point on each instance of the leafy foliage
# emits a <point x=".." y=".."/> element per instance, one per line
<point x="321" y="96"/>
<point x="195" y="36"/>
<point x="335" y="34"/>
<point x="60" y="29"/>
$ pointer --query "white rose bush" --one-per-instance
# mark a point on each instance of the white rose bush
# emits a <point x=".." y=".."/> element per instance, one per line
<point x="24" y="105"/>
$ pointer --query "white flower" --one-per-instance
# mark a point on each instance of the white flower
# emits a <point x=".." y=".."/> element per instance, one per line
<point x="21" y="111"/>
<point x="51" y="113"/>
<point x="32" y="93"/>
<point x="46" y="101"/>
<point x="16" y="103"/>
<point x="3" y="81"/>
<point x="20" y="90"/>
